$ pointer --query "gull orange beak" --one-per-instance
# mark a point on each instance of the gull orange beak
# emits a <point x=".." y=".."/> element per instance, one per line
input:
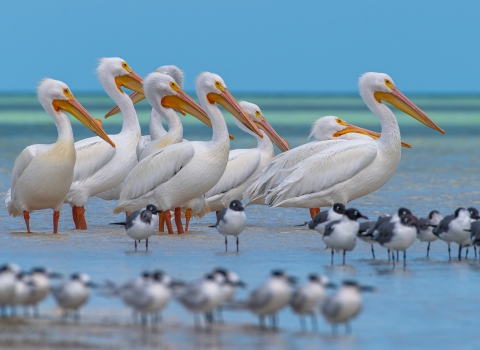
<point x="227" y="101"/>
<point x="74" y="107"/>
<point x="185" y="104"/>
<point x="399" y="100"/>
<point x="349" y="128"/>
<point x="281" y="143"/>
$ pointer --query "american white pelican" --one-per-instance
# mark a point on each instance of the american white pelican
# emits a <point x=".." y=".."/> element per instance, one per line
<point x="179" y="173"/>
<point x="244" y="164"/>
<point x="99" y="167"/>
<point x="355" y="168"/>
<point x="42" y="174"/>
<point x="329" y="131"/>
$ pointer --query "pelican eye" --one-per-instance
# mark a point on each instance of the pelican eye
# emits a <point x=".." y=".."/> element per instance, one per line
<point x="67" y="93"/>
<point x="257" y="113"/>
<point x="172" y="85"/>
<point x="126" y="67"/>
<point x="219" y="85"/>
<point x="389" y="84"/>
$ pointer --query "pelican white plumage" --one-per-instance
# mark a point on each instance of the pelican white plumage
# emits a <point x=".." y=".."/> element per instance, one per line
<point x="329" y="131"/>
<point x="355" y="168"/>
<point x="244" y="164"/>
<point x="184" y="171"/>
<point x="42" y="174"/>
<point x="98" y="167"/>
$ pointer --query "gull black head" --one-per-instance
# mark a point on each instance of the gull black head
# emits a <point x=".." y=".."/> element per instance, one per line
<point x="433" y="213"/>
<point x="236" y="205"/>
<point x="473" y="213"/>
<point x="358" y="286"/>
<point x="145" y="274"/>
<point x="278" y="273"/>
<point x="338" y="208"/>
<point x="313" y="277"/>
<point x="354" y="214"/>
<point x="210" y="277"/>
<point x="41" y="270"/>
<point x="153" y="209"/>
<point x="157" y="275"/>
<point x="458" y="211"/>
<point x="221" y="271"/>
<point x="404" y="211"/>
<point x="408" y="220"/>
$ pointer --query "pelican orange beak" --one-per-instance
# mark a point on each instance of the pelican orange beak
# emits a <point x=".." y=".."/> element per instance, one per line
<point x="74" y="107"/>
<point x="131" y="81"/>
<point x="353" y="128"/>
<point x="183" y="103"/>
<point x="135" y="97"/>
<point x="399" y="100"/>
<point x="227" y="101"/>
<point x="281" y="143"/>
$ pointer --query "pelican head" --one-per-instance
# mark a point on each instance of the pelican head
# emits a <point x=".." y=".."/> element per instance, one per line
<point x="259" y="119"/>
<point x="136" y="97"/>
<point x="116" y="69"/>
<point x="55" y="96"/>
<point x="162" y="91"/>
<point x="383" y="89"/>
<point x="331" y="128"/>
<point x="214" y="88"/>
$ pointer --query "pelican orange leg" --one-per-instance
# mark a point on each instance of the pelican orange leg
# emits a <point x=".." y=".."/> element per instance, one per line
<point x="26" y="217"/>
<point x="168" y="221"/>
<point x="178" y="220"/>
<point x="127" y="214"/>
<point x="314" y="212"/>
<point x="75" y="216"/>
<point x="188" y="216"/>
<point x="82" y="223"/>
<point x="56" y="217"/>
<point x="161" y="222"/>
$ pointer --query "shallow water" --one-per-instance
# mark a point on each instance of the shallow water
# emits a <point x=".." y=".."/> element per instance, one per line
<point x="430" y="304"/>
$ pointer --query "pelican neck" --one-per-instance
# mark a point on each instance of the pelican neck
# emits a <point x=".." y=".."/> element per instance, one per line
<point x="175" y="127"/>
<point x="390" y="130"/>
<point x="219" y="126"/>
<point x="64" y="127"/>
<point x="157" y="131"/>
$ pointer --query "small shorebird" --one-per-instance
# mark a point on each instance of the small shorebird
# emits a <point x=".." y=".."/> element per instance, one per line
<point x="426" y="226"/>
<point x="231" y="221"/>
<point x="141" y="224"/>
<point x="323" y="218"/>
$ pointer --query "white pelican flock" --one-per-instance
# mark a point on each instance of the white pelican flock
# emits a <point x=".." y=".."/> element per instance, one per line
<point x="194" y="177"/>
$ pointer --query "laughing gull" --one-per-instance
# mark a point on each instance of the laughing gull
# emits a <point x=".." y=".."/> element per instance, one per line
<point x="452" y="228"/>
<point x="425" y="228"/>
<point x="201" y="297"/>
<point x="397" y="236"/>
<point x="24" y="290"/>
<point x="73" y="294"/>
<point x="229" y="282"/>
<point x="345" y="304"/>
<point x="270" y="297"/>
<point x="41" y="278"/>
<point x="475" y="234"/>
<point x="231" y="221"/>
<point x="324" y="217"/>
<point x="141" y="224"/>
<point x="341" y="234"/>
<point x="8" y="273"/>
<point x="365" y="235"/>
<point x="307" y="299"/>
<point x="385" y="218"/>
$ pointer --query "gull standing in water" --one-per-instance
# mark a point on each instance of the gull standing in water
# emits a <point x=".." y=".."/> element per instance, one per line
<point x="42" y="174"/>
<point x="333" y="176"/>
<point x="141" y="224"/>
<point x="73" y="294"/>
<point x="231" y="221"/>
<point x="307" y="299"/>
<point x="341" y="234"/>
<point x="397" y="236"/>
<point x="425" y="228"/>
<point x="320" y="220"/>
<point x="41" y="279"/>
<point x="452" y="228"/>
<point x="8" y="276"/>
<point x="99" y="167"/>
<point x="344" y="305"/>
<point x="363" y="234"/>
<point x="270" y="297"/>
<point x="328" y="131"/>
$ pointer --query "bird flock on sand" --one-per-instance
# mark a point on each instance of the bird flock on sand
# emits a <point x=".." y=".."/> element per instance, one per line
<point x="160" y="181"/>
<point x="149" y="294"/>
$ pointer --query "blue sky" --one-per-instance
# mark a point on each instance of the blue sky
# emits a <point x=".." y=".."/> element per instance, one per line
<point x="256" y="46"/>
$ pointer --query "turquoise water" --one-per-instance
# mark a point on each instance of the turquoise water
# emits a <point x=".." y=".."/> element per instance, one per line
<point x="431" y="304"/>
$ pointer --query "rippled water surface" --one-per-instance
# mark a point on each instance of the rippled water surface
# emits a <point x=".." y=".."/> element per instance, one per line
<point x="433" y="303"/>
